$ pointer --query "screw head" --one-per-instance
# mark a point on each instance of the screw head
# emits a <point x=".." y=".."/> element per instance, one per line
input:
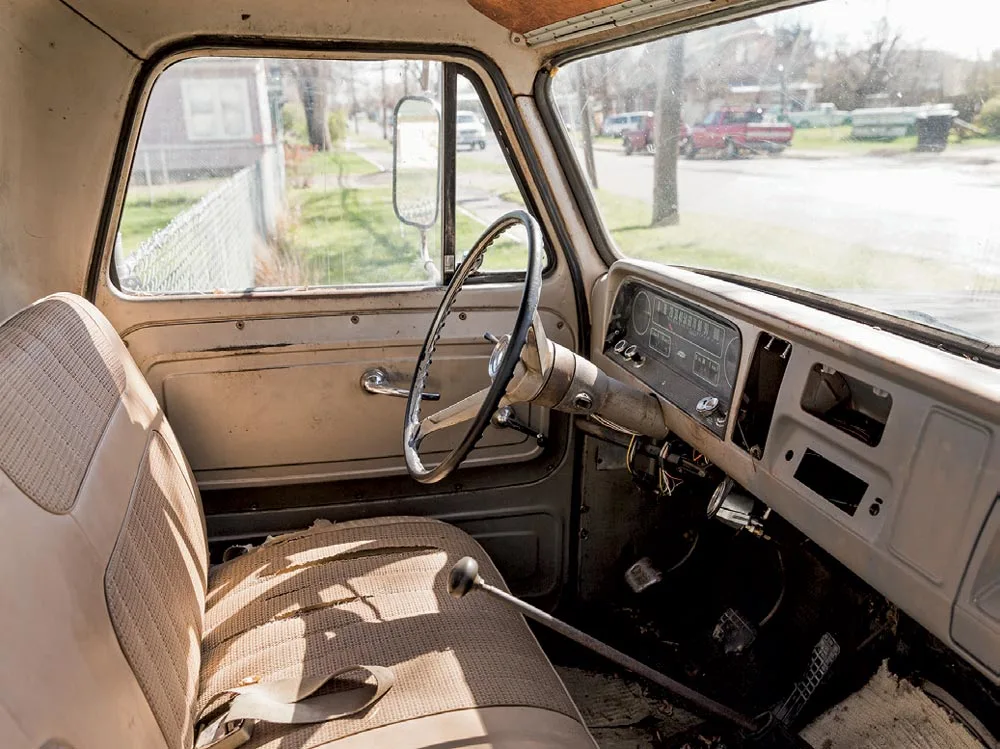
<point x="583" y="401"/>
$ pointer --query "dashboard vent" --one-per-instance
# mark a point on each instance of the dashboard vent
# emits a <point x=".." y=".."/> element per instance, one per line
<point x="760" y="394"/>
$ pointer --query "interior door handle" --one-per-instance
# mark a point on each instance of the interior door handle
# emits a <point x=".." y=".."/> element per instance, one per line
<point x="376" y="381"/>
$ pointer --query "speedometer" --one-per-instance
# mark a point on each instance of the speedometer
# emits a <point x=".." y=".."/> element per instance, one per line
<point x="642" y="313"/>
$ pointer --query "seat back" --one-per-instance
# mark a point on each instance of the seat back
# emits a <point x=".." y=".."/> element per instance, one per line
<point x="103" y="555"/>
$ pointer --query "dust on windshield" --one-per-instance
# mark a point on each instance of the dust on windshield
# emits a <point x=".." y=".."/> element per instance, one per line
<point x="849" y="148"/>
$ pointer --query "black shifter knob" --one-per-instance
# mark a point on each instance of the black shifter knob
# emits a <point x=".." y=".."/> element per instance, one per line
<point x="463" y="577"/>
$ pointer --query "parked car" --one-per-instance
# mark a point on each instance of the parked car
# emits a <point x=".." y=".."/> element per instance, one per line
<point x="643" y="137"/>
<point x="471" y="130"/>
<point x="826" y="115"/>
<point x="616" y="124"/>
<point x="732" y="131"/>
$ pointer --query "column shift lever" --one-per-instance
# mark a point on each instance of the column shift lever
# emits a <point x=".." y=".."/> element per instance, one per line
<point x="464" y="578"/>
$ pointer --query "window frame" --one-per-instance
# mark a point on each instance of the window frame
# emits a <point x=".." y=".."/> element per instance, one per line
<point x="954" y="343"/>
<point x="453" y="61"/>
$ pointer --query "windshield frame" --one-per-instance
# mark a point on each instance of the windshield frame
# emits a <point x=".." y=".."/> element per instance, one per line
<point x="954" y="343"/>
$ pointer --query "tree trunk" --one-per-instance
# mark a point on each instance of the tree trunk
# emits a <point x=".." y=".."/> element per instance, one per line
<point x="586" y="122"/>
<point x="669" y="98"/>
<point x="425" y="76"/>
<point x="312" y="89"/>
<point x="354" y="97"/>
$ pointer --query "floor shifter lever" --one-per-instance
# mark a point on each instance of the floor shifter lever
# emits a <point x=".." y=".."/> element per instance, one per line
<point x="464" y="578"/>
<point x="504" y="419"/>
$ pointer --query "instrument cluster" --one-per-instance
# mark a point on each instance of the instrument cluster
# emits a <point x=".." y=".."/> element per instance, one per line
<point x="687" y="354"/>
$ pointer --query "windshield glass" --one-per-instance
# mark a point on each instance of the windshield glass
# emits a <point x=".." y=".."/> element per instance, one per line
<point x="465" y="118"/>
<point x="850" y="148"/>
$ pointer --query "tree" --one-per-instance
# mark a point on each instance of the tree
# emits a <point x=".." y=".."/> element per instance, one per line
<point x="669" y="98"/>
<point x="586" y="123"/>
<point x="852" y="78"/>
<point x="425" y="76"/>
<point x="312" y="78"/>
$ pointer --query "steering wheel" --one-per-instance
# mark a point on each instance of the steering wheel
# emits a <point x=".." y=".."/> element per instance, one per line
<point x="479" y="407"/>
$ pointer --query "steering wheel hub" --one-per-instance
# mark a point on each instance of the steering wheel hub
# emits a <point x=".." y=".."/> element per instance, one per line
<point x="496" y="357"/>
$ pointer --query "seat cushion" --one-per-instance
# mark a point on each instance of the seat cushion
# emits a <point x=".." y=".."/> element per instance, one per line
<point x="373" y="592"/>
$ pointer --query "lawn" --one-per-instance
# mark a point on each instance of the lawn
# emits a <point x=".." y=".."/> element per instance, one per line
<point x="333" y="166"/>
<point x="352" y="236"/>
<point x="142" y="215"/>
<point x="839" y="139"/>
<point x="771" y="252"/>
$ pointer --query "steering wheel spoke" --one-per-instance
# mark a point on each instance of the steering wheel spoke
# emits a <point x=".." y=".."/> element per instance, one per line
<point x="525" y="349"/>
<point x="456" y="413"/>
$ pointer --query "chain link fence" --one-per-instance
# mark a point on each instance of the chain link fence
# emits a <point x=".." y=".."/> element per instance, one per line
<point x="213" y="245"/>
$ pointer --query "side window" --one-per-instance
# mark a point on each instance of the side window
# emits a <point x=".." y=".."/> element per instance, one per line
<point x="278" y="174"/>
<point x="485" y="188"/>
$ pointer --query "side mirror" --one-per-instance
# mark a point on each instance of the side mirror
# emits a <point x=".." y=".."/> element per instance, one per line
<point x="416" y="162"/>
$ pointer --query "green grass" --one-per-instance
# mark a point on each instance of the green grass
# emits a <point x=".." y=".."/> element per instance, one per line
<point x="142" y="217"/>
<point x="471" y="162"/>
<point x="352" y="236"/>
<point x="771" y="252"/>
<point x="839" y="139"/>
<point x="337" y="163"/>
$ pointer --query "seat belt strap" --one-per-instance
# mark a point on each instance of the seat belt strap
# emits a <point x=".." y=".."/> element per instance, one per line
<point x="287" y="701"/>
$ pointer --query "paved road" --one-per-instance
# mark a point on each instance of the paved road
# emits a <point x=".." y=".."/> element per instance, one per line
<point x="924" y="205"/>
<point x="917" y="204"/>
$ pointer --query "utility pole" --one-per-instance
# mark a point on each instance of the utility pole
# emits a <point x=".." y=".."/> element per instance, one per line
<point x="385" y="124"/>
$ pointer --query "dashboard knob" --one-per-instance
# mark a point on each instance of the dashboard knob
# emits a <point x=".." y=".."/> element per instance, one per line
<point x="621" y="346"/>
<point x="631" y="351"/>
<point x="707" y="406"/>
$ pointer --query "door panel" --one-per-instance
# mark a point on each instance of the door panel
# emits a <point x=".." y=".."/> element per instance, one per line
<point x="261" y="378"/>
<point x="285" y="408"/>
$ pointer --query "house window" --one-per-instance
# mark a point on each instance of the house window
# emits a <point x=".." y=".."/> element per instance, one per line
<point x="216" y="108"/>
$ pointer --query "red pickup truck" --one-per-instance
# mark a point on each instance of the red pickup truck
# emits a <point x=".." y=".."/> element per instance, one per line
<point x="731" y="131"/>
<point x="643" y="137"/>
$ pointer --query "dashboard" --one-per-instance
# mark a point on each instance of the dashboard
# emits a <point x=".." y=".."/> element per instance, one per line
<point x="883" y="450"/>
<point x="684" y="352"/>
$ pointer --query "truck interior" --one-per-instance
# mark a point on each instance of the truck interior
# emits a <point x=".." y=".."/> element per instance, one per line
<point x="357" y="391"/>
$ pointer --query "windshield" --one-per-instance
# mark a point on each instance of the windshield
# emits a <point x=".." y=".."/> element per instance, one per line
<point x="849" y="148"/>
<point x="465" y="118"/>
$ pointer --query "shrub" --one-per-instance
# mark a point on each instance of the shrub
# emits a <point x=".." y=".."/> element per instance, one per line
<point x="293" y="122"/>
<point x="336" y="124"/>
<point x="989" y="116"/>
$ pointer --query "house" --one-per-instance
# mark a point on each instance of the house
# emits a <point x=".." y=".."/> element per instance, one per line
<point x="206" y="117"/>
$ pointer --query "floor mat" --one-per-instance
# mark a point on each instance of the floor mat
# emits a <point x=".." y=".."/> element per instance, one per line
<point x="622" y="713"/>
<point x="888" y="713"/>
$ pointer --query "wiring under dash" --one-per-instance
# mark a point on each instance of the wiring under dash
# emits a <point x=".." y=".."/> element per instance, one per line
<point x="666" y="482"/>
